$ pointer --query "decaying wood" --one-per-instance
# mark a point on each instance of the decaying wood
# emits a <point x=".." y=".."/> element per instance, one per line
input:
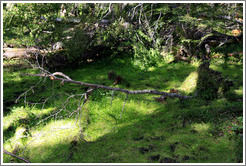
<point x="11" y="154"/>
<point x="68" y="80"/>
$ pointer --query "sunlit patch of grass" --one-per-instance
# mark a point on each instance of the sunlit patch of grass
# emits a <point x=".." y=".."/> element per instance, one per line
<point x="23" y="115"/>
<point x="239" y="91"/>
<point x="16" y="143"/>
<point x="104" y="117"/>
<point x="17" y="114"/>
<point x="40" y="113"/>
<point x="201" y="127"/>
<point x="177" y="130"/>
<point x="48" y="139"/>
<point x="174" y="84"/>
<point x="152" y="69"/>
<point x="189" y="85"/>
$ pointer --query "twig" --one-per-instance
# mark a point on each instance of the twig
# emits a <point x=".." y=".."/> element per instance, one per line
<point x="112" y="97"/>
<point x="11" y="154"/>
<point x="24" y="149"/>
<point x="80" y="108"/>
<point x="124" y="105"/>
<point x="139" y="39"/>
<point x="56" y="113"/>
<point x="156" y="24"/>
<point x="78" y="105"/>
<point x="42" y="102"/>
<point x="86" y="94"/>
<point x="25" y="93"/>
<point x="133" y="13"/>
<point x="109" y="10"/>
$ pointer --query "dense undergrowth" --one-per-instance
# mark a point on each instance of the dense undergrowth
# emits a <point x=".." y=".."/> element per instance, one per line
<point x="183" y="131"/>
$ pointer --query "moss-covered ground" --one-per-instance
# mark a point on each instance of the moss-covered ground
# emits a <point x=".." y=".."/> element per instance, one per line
<point x="44" y="130"/>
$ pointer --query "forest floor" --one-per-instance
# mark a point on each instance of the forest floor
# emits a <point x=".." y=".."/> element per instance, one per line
<point x="41" y="128"/>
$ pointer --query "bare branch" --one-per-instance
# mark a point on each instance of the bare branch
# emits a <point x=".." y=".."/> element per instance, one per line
<point x="11" y="154"/>
<point x="133" y="13"/>
<point x="156" y="23"/>
<point x="78" y="105"/>
<point x="60" y="110"/>
<point x="112" y="97"/>
<point x="124" y="105"/>
<point x="109" y="10"/>
<point x="80" y="108"/>
<point x="156" y="92"/>
<point x="25" y="93"/>
<point x="139" y="39"/>
<point x="86" y="94"/>
<point x="61" y="74"/>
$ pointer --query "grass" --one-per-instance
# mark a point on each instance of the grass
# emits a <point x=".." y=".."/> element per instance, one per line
<point x="192" y="131"/>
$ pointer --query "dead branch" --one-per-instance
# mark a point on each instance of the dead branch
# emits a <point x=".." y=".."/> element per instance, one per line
<point x="25" y="93"/>
<point x="124" y="105"/>
<point x="61" y="74"/>
<point x="109" y="10"/>
<point x="156" y="92"/>
<point x="112" y="97"/>
<point x="11" y="154"/>
<point x="86" y="94"/>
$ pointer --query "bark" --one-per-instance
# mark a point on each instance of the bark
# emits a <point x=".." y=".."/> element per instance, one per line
<point x="11" y="154"/>
<point x="68" y="80"/>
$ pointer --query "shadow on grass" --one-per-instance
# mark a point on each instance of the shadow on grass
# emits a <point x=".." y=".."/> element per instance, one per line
<point x="166" y="135"/>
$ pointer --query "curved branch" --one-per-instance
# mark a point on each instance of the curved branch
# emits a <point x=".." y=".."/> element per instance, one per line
<point x="61" y="74"/>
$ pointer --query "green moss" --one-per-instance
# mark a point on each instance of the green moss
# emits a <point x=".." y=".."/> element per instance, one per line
<point x="189" y="85"/>
<point x="184" y="131"/>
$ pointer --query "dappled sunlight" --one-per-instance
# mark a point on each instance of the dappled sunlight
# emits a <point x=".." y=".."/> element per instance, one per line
<point x="18" y="113"/>
<point x="54" y="133"/>
<point x="201" y="127"/>
<point x="122" y="83"/>
<point x="17" y="141"/>
<point x="42" y="112"/>
<point x="173" y="84"/>
<point x="151" y="68"/>
<point x="23" y="115"/>
<point x="47" y="140"/>
<point x="107" y="118"/>
<point x="239" y="91"/>
<point x="189" y="85"/>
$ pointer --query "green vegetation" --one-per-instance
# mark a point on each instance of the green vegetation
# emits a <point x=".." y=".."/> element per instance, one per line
<point x="149" y="46"/>
<point x="148" y="131"/>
